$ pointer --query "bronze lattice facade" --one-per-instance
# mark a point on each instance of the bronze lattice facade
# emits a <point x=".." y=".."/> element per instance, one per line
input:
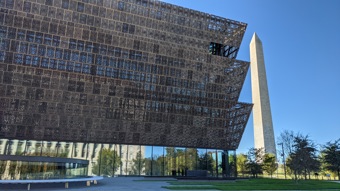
<point x="139" y="72"/>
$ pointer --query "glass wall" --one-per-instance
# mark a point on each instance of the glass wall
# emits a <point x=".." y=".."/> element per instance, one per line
<point x="112" y="160"/>
<point x="22" y="170"/>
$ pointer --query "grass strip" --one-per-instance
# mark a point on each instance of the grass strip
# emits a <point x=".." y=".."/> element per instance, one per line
<point x="256" y="184"/>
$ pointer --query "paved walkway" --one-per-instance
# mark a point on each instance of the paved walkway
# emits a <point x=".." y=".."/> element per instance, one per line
<point x="107" y="184"/>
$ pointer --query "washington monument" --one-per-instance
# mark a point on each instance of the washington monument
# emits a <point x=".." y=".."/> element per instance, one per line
<point x="263" y="124"/>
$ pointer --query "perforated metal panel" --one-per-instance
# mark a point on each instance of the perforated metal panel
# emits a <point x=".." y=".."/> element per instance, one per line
<point x="130" y="72"/>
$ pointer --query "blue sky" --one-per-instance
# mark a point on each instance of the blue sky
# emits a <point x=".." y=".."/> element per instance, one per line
<point x="301" y="40"/>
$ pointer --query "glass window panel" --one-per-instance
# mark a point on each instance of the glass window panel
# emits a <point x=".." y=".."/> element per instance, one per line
<point x="35" y="60"/>
<point x="86" y="69"/>
<point x="23" y="47"/>
<point x="59" y="53"/>
<point x="50" y="52"/>
<point x="115" y="73"/>
<point x="42" y="50"/>
<point x="105" y="61"/>
<point x="75" y="56"/>
<point x="158" y="161"/>
<point x="18" y="59"/>
<point x="44" y="63"/>
<point x="2" y="55"/>
<point x="33" y="49"/>
<point x="70" y="66"/>
<point x="28" y="60"/>
<point x="80" y="45"/>
<point x="100" y="70"/>
<point x="3" y="32"/>
<point x="53" y="64"/>
<point x="38" y="38"/>
<point x="82" y="57"/>
<point x="89" y="58"/>
<point x="88" y="47"/>
<point x="56" y="40"/>
<point x="108" y="72"/>
<point x="67" y="54"/>
<point x="21" y="34"/>
<point x="30" y="36"/>
<point x="77" y="67"/>
<point x="11" y="33"/>
<point x="61" y="65"/>
<point x="48" y="39"/>
<point x="113" y="62"/>
<point x="73" y="44"/>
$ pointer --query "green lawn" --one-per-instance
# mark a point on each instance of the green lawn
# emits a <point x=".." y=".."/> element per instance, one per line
<point x="256" y="184"/>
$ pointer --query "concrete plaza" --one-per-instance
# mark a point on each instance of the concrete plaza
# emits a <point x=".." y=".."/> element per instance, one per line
<point x="107" y="184"/>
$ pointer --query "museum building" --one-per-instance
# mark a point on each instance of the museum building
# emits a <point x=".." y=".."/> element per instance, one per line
<point x="118" y="87"/>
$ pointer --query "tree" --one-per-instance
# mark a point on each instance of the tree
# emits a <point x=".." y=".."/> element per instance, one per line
<point x="269" y="164"/>
<point x="138" y="166"/>
<point x="287" y="139"/>
<point x="108" y="162"/>
<point x="331" y="157"/>
<point x="254" y="161"/>
<point x="241" y="160"/>
<point x="303" y="159"/>
<point x="206" y="162"/>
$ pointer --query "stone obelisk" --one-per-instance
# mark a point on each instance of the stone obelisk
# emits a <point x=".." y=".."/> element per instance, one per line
<point x="263" y="124"/>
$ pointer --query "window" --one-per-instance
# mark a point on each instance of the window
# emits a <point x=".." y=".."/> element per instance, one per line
<point x="30" y="36"/>
<point x="53" y="64"/>
<point x="38" y="38"/>
<point x="28" y="60"/>
<point x="115" y="73"/>
<point x="44" y="63"/>
<point x="67" y="55"/>
<point x="50" y="52"/>
<point x="89" y="58"/>
<point x="86" y="69"/>
<point x="77" y="67"/>
<point x="18" y="59"/>
<point x="108" y="72"/>
<point x="56" y="40"/>
<point x="21" y="35"/>
<point x="98" y="60"/>
<point x="113" y="62"/>
<point x="2" y="55"/>
<point x="35" y="61"/>
<point x="73" y="44"/>
<point x="11" y="33"/>
<point x="80" y="45"/>
<point x="23" y="47"/>
<point x="61" y="65"/>
<point x="75" y="56"/>
<point x="125" y="28"/>
<point x="59" y="53"/>
<point x="223" y="50"/>
<point x="105" y="61"/>
<point x="88" y="47"/>
<point x="82" y="57"/>
<point x="48" y="39"/>
<point x="65" y="4"/>
<point x="121" y="5"/>
<point x="70" y="66"/>
<point x="33" y="49"/>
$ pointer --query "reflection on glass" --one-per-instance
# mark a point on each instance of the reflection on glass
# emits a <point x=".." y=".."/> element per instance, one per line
<point x="111" y="160"/>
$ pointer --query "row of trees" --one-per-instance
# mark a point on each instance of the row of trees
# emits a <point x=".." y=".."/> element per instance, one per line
<point x="174" y="161"/>
<point x="255" y="162"/>
<point x="303" y="158"/>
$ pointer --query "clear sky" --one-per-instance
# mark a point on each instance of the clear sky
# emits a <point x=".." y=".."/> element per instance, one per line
<point x="301" y="40"/>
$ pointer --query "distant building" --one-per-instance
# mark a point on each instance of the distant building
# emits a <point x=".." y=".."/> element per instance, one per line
<point x="156" y="83"/>
<point x="263" y="124"/>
